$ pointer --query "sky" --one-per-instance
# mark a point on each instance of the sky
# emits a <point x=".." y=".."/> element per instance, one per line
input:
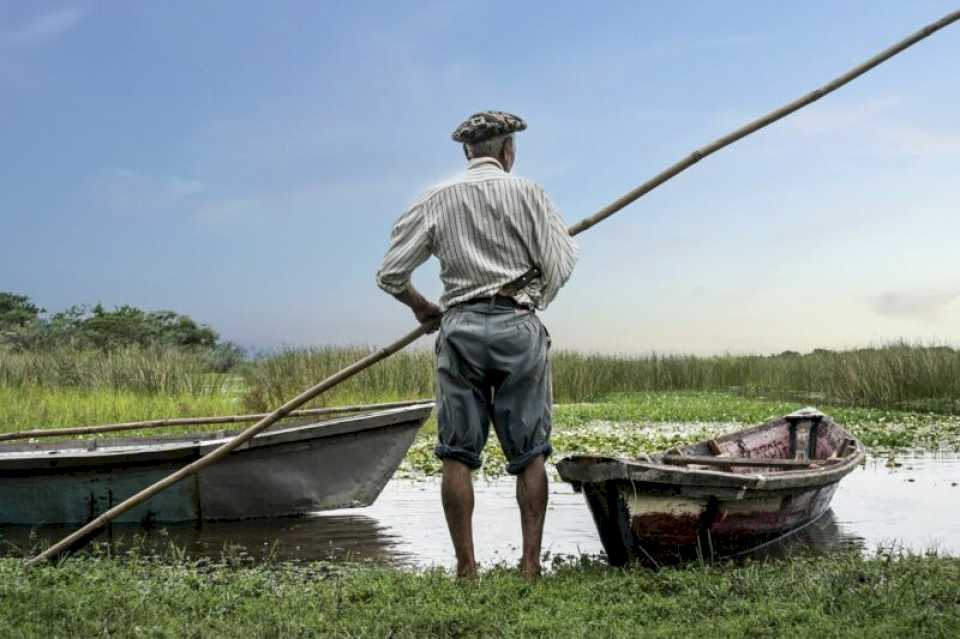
<point x="243" y="162"/>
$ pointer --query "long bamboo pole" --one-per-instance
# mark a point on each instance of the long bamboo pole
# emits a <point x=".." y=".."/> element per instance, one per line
<point x="760" y="123"/>
<point x="67" y="542"/>
<point x="197" y="421"/>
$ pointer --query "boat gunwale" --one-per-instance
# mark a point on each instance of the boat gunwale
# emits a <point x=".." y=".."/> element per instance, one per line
<point x="601" y="469"/>
<point x="158" y="449"/>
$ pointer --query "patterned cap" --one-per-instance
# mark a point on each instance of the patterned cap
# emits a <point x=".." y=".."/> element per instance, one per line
<point x="483" y="126"/>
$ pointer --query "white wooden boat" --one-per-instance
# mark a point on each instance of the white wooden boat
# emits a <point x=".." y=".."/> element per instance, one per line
<point x="285" y="471"/>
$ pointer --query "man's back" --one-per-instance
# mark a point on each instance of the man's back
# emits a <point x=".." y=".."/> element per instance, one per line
<point x="487" y="228"/>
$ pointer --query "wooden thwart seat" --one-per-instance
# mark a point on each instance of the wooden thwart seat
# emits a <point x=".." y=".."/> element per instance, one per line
<point x="756" y="462"/>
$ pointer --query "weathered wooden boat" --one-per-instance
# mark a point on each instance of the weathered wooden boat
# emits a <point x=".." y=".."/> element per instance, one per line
<point x="718" y="496"/>
<point x="285" y="471"/>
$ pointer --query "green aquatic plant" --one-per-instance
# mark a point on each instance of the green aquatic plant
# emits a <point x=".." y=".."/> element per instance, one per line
<point x="628" y="424"/>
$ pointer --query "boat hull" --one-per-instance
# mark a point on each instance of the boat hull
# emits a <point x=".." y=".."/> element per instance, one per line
<point x="286" y="472"/>
<point x="652" y="512"/>
<point x="639" y="522"/>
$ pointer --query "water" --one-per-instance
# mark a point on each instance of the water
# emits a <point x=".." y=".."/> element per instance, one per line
<point x="910" y="506"/>
<point x="915" y="506"/>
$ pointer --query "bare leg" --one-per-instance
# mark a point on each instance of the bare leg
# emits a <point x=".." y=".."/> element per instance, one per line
<point x="456" y="491"/>
<point x="532" y="498"/>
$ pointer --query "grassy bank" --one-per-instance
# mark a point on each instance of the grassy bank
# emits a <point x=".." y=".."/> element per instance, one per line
<point x="845" y="597"/>
<point x="899" y="376"/>
<point x="156" y="370"/>
<point x="31" y="407"/>
<point x="895" y="376"/>
<point x="271" y="381"/>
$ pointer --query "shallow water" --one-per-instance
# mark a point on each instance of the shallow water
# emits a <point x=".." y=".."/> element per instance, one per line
<point x="914" y="505"/>
<point x="909" y="504"/>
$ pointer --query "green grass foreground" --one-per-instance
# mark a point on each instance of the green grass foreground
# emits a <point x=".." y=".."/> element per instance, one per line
<point x="844" y="597"/>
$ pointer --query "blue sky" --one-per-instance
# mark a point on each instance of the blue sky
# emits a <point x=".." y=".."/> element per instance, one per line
<point x="242" y="162"/>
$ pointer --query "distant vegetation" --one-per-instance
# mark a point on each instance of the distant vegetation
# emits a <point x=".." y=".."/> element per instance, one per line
<point x="163" y="353"/>
<point x="894" y="376"/>
<point x="898" y="375"/>
<point x="25" y="327"/>
<point x="150" y="370"/>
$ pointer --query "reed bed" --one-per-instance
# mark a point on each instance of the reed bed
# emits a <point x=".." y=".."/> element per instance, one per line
<point x="898" y="375"/>
<point x="156" y="370"/>
<point x="29" y="407"/>
<point x="272" y="380"/>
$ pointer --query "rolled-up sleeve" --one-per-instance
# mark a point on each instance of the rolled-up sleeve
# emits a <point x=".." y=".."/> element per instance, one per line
<point x="410" y="246"/>
<point x="557" y="252"/>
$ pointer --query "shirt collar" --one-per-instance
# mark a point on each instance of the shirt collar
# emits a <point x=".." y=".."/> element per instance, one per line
<point x="475" y="162"/>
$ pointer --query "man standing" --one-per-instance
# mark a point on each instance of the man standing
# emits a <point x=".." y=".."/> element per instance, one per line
<point x="487" y="228"/>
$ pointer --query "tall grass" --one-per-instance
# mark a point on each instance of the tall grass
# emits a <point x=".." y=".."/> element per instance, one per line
<point x="895" y="375"/>
<point x="275" y="379"/>
<point x="155" y="370"/>
<point x="29" y="407"/>
<point x="898" y="375"/>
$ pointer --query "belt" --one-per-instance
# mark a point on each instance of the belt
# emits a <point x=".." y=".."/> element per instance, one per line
<point x="503" y="300"/>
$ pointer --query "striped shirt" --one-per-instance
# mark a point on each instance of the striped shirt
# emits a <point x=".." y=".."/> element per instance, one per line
<point x="487" y="228"/>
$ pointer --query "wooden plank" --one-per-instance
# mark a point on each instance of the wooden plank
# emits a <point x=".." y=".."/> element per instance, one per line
<point x="714" y="447"/>
<point x="847" y="445"/>
<point x="755" y="462"/>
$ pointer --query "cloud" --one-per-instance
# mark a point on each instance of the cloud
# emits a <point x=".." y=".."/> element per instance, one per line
<point x="302" y="201"/>
<point x="733" y="40"/>
<point x="914" y="140"/>
<point x="708" y="43"/>
<point x="831" y="118"/>
<point x="876" y="122"/>
<point x="879" y="125"/>
<point x="918" y="303"/>
<point x="46" y="25"/>
<point x="231" y="211"/>
<point x="127" y="192"/>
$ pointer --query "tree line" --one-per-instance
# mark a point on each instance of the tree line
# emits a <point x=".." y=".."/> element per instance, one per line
<point x="24" y="326"/>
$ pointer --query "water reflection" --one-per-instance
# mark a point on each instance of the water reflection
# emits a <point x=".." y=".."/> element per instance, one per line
<point x="825" y="536"/>
<point x="347" y="537"/>
<point x="905" y="502"/>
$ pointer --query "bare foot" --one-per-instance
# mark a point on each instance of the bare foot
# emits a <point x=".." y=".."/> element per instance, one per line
<point x="467" y="572"/>
<point x="530" y="572"/>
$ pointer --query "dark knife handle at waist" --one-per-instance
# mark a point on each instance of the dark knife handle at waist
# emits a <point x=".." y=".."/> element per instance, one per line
<point x="517" y="285"/>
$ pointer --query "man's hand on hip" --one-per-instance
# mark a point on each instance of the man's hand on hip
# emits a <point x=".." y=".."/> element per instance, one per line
<point x="423" y="309"/>
<point x="429" y="313"/>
